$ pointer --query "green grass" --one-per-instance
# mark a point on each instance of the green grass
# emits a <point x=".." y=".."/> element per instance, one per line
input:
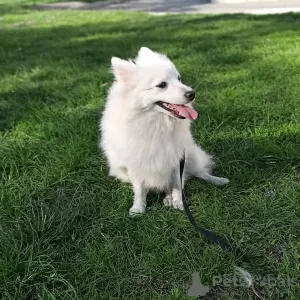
<point x="64" y="226"/>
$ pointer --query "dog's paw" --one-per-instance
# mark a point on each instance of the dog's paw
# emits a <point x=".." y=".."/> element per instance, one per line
<point x="218" y="180"/>
<point x="136" y="211"/>
<point x="222" y="181"/>
<point x="178" y="204"/>
<point x="169" y="201"/>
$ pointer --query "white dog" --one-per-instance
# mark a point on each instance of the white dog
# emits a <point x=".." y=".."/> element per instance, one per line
<point x="146" y="129"/>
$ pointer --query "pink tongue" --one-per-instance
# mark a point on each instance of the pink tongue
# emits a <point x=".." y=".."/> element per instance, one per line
<point x="186" y="111"/>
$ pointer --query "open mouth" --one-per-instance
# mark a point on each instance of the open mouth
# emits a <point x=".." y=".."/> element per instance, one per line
<point x="179" y="111"/>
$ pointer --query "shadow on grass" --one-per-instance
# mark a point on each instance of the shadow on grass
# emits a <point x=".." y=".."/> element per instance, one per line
<point x="87" y="48"/>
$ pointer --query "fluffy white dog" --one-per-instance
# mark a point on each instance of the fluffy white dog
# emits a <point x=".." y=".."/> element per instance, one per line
<point x="146" y="129"/>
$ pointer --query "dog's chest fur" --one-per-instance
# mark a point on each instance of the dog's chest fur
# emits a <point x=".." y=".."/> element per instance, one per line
<point x="155" y="146"/>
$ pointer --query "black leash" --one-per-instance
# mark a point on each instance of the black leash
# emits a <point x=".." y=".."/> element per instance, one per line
<point x="212" y="237"/>
<point x="208" y="234"/>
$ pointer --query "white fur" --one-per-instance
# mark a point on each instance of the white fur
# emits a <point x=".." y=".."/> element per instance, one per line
<point x="143" y="142"/>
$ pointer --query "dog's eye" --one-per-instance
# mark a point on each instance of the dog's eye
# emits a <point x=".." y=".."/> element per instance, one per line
<point x="162" y="85"/>
<point x="179" y="78"/>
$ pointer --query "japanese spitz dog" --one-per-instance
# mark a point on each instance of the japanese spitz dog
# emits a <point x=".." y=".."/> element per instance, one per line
<point x="146" y="129"/>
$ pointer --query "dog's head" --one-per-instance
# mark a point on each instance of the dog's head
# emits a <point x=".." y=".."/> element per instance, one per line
<point x="152" y="83"/>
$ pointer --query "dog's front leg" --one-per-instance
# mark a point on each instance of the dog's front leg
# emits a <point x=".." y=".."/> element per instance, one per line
<point x="139" y="201"/>
<point x="174" y="196"/>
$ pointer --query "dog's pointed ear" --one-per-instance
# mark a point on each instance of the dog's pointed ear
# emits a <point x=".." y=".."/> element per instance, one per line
<point x="122" y="69"/>
<point x="145" y="54"/>
<point x="145" y="51"/>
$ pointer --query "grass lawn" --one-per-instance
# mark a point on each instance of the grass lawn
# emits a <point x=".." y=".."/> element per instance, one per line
<point x="65" y="232"/>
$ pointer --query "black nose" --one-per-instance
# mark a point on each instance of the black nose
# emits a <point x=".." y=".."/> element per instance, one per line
<point x="190" y="95"/>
